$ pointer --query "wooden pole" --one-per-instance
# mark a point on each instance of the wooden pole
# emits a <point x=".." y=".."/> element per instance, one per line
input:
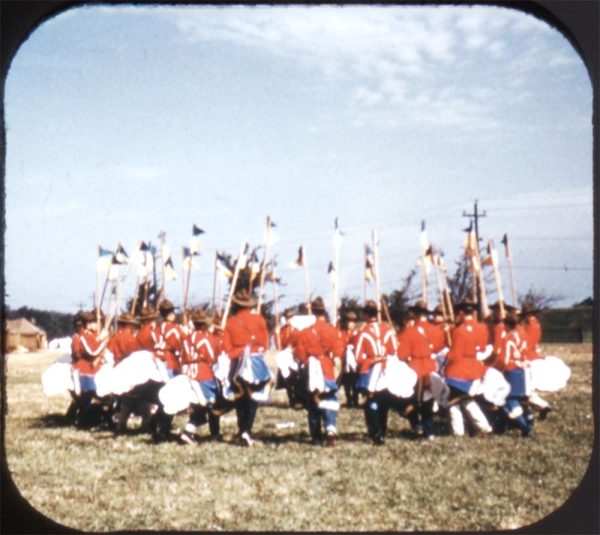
<point x="494" y="257"/>
<point x="263" y="264"/>
<point x="508" y="255"/>
<point x="214" y="288"/>
<point x="97" y="288"/>
<point x="306" y="284"/>
<point x="276" y="310"/>
<point x="162" y="292"/>
<point x="336" y="262"/>
<point x="376" y="266"/>
<point x="233" y="283"/>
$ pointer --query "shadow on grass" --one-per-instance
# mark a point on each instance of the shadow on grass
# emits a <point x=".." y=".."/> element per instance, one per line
<point x="51" y="420"/>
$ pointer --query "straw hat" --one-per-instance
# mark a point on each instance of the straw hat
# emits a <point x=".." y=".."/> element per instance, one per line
<point x="244" y="299"/>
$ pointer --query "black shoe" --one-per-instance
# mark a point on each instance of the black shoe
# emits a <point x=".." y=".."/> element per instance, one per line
<point x="330" y="443"/>
<point x="379" y="440"/>
<point x="545" y="411"/>
<point x="215" y="438"/>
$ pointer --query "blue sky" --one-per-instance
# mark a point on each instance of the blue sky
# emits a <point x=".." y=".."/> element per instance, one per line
<point x="125" y="121"/>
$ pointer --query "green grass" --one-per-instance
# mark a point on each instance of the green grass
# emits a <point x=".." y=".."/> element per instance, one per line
<point x="96" y="482"/>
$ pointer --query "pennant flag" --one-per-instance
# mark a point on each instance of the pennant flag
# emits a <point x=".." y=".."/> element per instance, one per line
<point x="332" y="273"/>
<point x="195" y="245"/>
<point x="142" y="260"/>
<point x="505" y="243"/>
<point x="254" y="264"/>
<point x="243" y="258"/>
<point x="369" y="264"/>
<point x="300" y="260"/>
<point x="122" y="255"/>
<point x="113" y="272"/>
<point x="470" y="241"/>
<point x="188" y="258"/>
<point x="170" y="272"/>
<point x="424" y="238"/>
<point x="104" y="260"/>
<point x="337" y="234"/>
<point x="223" y="269"/>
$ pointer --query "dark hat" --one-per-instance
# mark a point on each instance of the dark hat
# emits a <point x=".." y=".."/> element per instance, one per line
<point x="528" y="309"/>
<point x="318" y="306"/>
<point x="127" y="319"/>
<point x="243" y="298"/>
<point x="166" y="306"/>
<point x="351" y="316"/>
<point x="147" y="313"/>
<point x="370" y="305"/>
<point x="289" y="313"/>
<point x="438" y="310"/>
<point x="77" y="319"/>
<point x="420" y="307"/>
<point x="199" y="317"/>
<point x="466" y="306"/>
<point x="88" y="317"/>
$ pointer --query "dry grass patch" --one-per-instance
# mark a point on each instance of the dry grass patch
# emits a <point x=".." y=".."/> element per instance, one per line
<point x="94" y="481"/>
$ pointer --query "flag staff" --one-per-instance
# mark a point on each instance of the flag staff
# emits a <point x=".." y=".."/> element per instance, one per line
<point x="263" y="263"/>
<point x="214" y="289"/>
<point x="508" y="254"/>
<point x="97" y="287"/>
<point x="494" y="259"/>
<point x="276" y="307"/>
<point x="238" y="263"/>
<point x="306" y="283"/>
<point x="424" y="247"/>
<point x="162" y="292"/>
<point x="336" y="261"/>
<point x="377" y="282"/>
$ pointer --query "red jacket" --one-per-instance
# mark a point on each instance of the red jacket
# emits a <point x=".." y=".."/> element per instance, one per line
<point x="245" y="329"/>
<point x="512" y="352"/>
<point x="323" y="341"/>
<point x="200" y="354"/>
<point x="91" y="348"/>
<point x="169" y="346"/>
<point x="417" y="348"/>
<point x="374" y="340"/>
<point x="146" y="337"/>
<point x="123" y="343"/>
<point x="467" y="339"/>
<point x="533" y="335"/>
<point x="437" y="337"/>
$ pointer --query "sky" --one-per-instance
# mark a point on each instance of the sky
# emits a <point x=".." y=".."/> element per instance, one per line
<point x="125" y="121"/>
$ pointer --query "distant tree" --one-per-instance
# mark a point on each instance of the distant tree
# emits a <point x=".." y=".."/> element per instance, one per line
<point x="539" y="298"/>
<point x="350" y="304"/>
<point x="588" y="302"/>
<point x="397" y="304"/>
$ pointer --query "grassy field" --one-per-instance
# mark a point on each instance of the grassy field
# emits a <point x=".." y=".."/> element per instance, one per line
<point x="92" y="481"/>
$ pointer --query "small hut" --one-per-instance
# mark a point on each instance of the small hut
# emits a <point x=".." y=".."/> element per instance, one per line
<point x="21" y="334"/>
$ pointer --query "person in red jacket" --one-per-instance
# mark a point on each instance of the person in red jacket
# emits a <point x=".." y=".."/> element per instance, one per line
<point x="349" y="377"/>
<point x="513" y="362"/>
<point x="124" y="341"/>
<point x="318" y="348"/>
<point x="169" y="345"/>
<point x="375" y="343"/>
<point x="146" y="336"/>
<point x="170" y="338"/>
<point x="245" y="340"/>
<point x="417" y="351"/>
<point x="465" y="369"/>
<point x="89" y="349"/>
<point x="198" y="357"/>
<point x="532" y="330"/>
<point x="76" y="354"/>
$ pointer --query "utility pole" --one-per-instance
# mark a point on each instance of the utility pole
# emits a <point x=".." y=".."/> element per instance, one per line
<point x="475" y="215"/>
<point x="478" y="281"/>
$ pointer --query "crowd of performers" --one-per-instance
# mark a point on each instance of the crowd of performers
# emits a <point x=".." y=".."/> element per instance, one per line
<point x="477" y="377"/>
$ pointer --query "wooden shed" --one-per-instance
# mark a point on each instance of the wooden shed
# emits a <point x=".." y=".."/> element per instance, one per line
<point x="21" y="333"/>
